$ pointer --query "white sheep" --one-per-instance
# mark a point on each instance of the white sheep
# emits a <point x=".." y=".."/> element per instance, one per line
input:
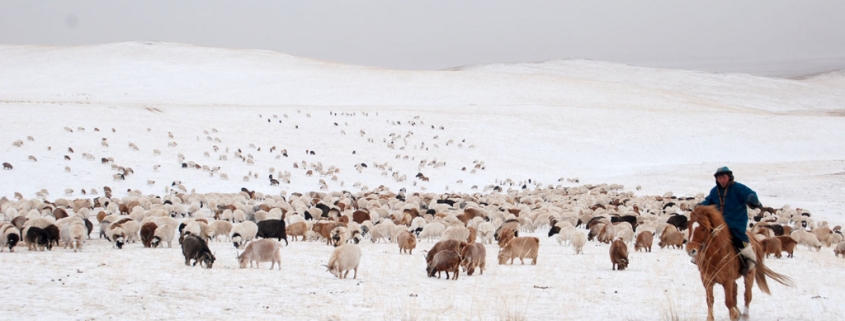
<point x="806" y="238"/>
<point x="578" y="239"/>
<point x="385" y="230"/>
<point x="243" y="233"/>
<point x="344" y="258"/>
<point x="455" y="232"/>
<point x="76" y="232"/>
<point x="485" y="232"/>
<point x="218" y="228"/>
<point x="9" y="232"/>
<point x="565" y="234"/>
<point x="164" y="233"/>
<point x="431" y="230"/>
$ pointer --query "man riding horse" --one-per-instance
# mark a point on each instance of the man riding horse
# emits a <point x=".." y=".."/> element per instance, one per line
<point x="732" y="197"/>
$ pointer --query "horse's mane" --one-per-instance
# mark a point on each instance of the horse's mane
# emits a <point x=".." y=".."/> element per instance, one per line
<point x="708" y="216"/>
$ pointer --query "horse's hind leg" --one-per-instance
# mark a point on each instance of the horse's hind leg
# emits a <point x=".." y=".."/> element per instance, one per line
<point x="749" y="285"/>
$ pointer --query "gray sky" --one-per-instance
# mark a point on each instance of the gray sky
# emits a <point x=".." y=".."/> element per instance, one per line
<point x="764" y="37"/>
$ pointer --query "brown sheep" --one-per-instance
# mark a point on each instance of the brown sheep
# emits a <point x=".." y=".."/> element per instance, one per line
<point x="147" y="233"/>
<point x="101" y="216"/>
<point x="407" y="242"/>
<point x="644" y="241"/>
<point x="473" y="256"/>
<point x="521" y="247"/>
<point x="360" y="216"/>
<point x="772" y="246"/>
<point x="619" y="254"/>
<point x="787" y="244"/>
<point x="59" y="213"/>
<point x="297" y="229"/>
<point x="445" y="261"/>
<point x="7" y="166"/>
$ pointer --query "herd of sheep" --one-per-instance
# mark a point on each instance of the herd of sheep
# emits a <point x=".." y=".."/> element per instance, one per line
<point x="461" y="228"/>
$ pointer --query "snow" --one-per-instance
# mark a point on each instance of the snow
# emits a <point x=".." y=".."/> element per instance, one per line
<point x="664" y="130"/>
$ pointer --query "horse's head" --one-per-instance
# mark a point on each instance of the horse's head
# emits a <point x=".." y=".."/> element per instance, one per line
<point x="699" y="230"/>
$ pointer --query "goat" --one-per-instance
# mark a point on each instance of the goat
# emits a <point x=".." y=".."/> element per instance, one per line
<point x="521" y="247"/>
<point x="474" y="256"/>
<point x="407" y="242"/>
<point x="619" y="254"/>
<point x="344" y="258"/>
<point x="196" y="249"/>
<point x="258" y="251"/>
<point x="444" y="261"/>
<point x="644" y="241"/>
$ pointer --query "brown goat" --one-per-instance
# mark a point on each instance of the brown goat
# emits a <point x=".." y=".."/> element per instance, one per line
<point x="619" y="254"/>
<point x="473" y="256"/>
<point x="772" y="246"/>
<point x="787" y="244"/>
<point x="644" y="241"/>
<point x="360" y="216"/>
<point x="451" y="245"/>
<point x="297" y="229"/>
<point x="671" y="238"/>
<point x="445" y="261"/>
<point x="521" y="247"/>
<point x="324" y="229"/>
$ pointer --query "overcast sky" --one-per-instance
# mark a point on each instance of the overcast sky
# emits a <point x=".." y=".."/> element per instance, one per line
<point x="765" y="37"/>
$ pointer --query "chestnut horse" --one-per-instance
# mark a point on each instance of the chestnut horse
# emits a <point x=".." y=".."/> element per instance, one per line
<point x="711" y="249"/>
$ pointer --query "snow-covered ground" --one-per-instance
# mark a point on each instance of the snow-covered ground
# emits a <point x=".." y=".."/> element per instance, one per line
<point x="663" y="130"/>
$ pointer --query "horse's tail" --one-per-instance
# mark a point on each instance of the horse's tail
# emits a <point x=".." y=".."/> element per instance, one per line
<point x="763" y="271"/>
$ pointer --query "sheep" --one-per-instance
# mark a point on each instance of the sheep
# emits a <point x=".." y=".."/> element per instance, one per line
<point x="407" y="242"/>
<point x="485" y="232"/>
<point x="218" y="228"/>
<point x="258" y="251"/>
<point x="445" y="261"/>
<point x="452" y="245"/>
<point x="565" y="233"/>
<point x="806" y="238"/>
<point x="147" y="233"/>
<point x="9" y="236"/>
<point x="456" y="232"/>
<point x="76" y="233"/>
<point x="671" y="237"/>
<point x="521" y="247"/>
<point x="32" y="158"/>
<point x="243" y="233"/>
<point x="38" y="239"/>
<point x="644" y="241"/>
<point x="343" y="259"/>
<point x="7" y="166"/>
<point x="382" y="230"/>
<point x="432" y="230"/>
<point x="578" y="240"/>
<point x="163" y="233"/>
<point x="840" y="249"/>
<point x="474" y="256"/>
<point x="619" y="254"/>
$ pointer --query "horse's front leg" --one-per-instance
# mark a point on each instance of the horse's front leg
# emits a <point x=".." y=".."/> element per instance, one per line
<point x="708" y="289"/>
<point x="730" y="299"/>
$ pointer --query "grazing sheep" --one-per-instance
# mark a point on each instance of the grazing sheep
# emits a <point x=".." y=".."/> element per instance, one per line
<point x="521" y="247"/>
<point x="38" y="239"/>
<point x="147" y="233"/>
<point x="806" y="238"/>
<point x="164" y="233"/>
<point x="9" y="236"/>
<point x="452" y="245"/>
<point x="619" y="254"/>
<point x="578" y="240"/>
<point x="344" y="258"/>
<point x="671" y="237"/>
<point x="474" y="256"/>
<point x="258" y="251"/>
<point x="218" y="228"/>
<point x="76" y="233"/>
<point x="444" y="261"/>
<point x="243" y="233"/>
<point x="407" y="242"/>
<point x="644" y="241"/>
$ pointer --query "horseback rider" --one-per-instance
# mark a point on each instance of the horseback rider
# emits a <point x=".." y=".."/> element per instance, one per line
<point x="732" y="197"/>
